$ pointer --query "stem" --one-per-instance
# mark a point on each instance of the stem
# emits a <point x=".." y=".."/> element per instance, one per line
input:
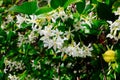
<point x="105" y="78"/>
<point x="78" y="78"/>
<point x="58" y="70"/>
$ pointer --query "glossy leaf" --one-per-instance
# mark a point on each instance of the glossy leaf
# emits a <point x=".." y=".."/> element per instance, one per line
<point x="55" y="3"/>
<point x="23" y="75"/>
<point x="44" y="9"/>
<point x="104" y="12"/>
<point x="26" y="8"/>
<point x="116" y="5"/>
<point x="10" y="36"/>
<point x="80" y="6"/>
<point x="70" y="2"/>
<point x="87" y="9"/>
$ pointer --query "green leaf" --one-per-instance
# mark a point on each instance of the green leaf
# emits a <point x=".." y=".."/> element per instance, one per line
<point x="97" y="23"/>
<point x="23" y="75"/>
<point x="2" y="62"/>
<point x="32" y="51"/>
<point x="70" y="2"/>
<point x="57" y="3"/>
<point x="2" y="9"/>
<point x="96" y="49"/>
<point x="0" y="19"/>
<point x="54" y="3"/>
<point x="116" y="5"/>
<point x="93" y="1"/>
<point x="118" y="55"/>
<point x="76" y="15"/>
<point x="44" y="9"/>
<point x="6" y="2"/>
<point x="80" y="6"/>
<point x="1" y="2"/>
<point x="104" y="12"/>
<point x="10" y="36"/>
<point x="107" y="2"/>
<point x="87" y="9"/>
<point x="1" y="75"/>
<point x="26" y="8"/>
<point x="2" y="33"/>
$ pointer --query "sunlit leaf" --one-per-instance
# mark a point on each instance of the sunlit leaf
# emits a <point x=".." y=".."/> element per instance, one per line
<point x="44" y="9"/>
<point x="26" y="8"/>
<point x="116" y="5"/>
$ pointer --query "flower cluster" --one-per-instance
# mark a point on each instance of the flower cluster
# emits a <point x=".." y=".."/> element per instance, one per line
<point x="13" y="77"/>
<point x="115" y="27"/>
<point x="60" y="13"/>
<point x="52" y="36"/>
<point x="11" y="66"/>
<point x="76" y="51"/>
<point x="63" y="41"/>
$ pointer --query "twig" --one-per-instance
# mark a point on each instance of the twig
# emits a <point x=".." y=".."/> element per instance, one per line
<point x="103" y="70"/>
<point x="58" y="71"/>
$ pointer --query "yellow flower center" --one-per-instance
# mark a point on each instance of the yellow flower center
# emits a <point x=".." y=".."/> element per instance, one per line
<point x="109" y="56"/>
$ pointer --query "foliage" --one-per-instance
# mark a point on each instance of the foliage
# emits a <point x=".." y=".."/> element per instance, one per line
<point x="62" y="40"/>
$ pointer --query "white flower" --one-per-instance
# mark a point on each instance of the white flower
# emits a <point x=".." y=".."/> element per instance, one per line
<point x="69" y="65"/>
<point x="9" y="18"/>
<point x="60" y="13"/>
<point x="87" y="50"/>
<point x="114" y="30"/>
<point x="36" y="28"/>
<point x="13" y="65"/>
<point x="21" y="39"/>
<point x="110" y="36"/>
<point x="115" y="27"/>
<point x="58" y="43"/>
<point x="73" y="50"/>
<point x="20" y="20"/>
<point x="32" y="19"/>
<point x="68" y="34"/>
<point x="118" y="11"/>
<point x="32" y="36"/>
<point x="5" y="70"/>
<point x="78" y="26"/>
<point x="110" y="22"/>
<point x="88" y="19"/>
<point x="47" y="32"/>
<point x="56" y="32"/>
<point x="55" y="16"/>
<point x="63" y="15"/>
<point x="13" y="77"/>
<point x="52" y="38"/>
<point x="3" y="25"/>
<point x="47" y="42"/>
<point x="55" y="78"/>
